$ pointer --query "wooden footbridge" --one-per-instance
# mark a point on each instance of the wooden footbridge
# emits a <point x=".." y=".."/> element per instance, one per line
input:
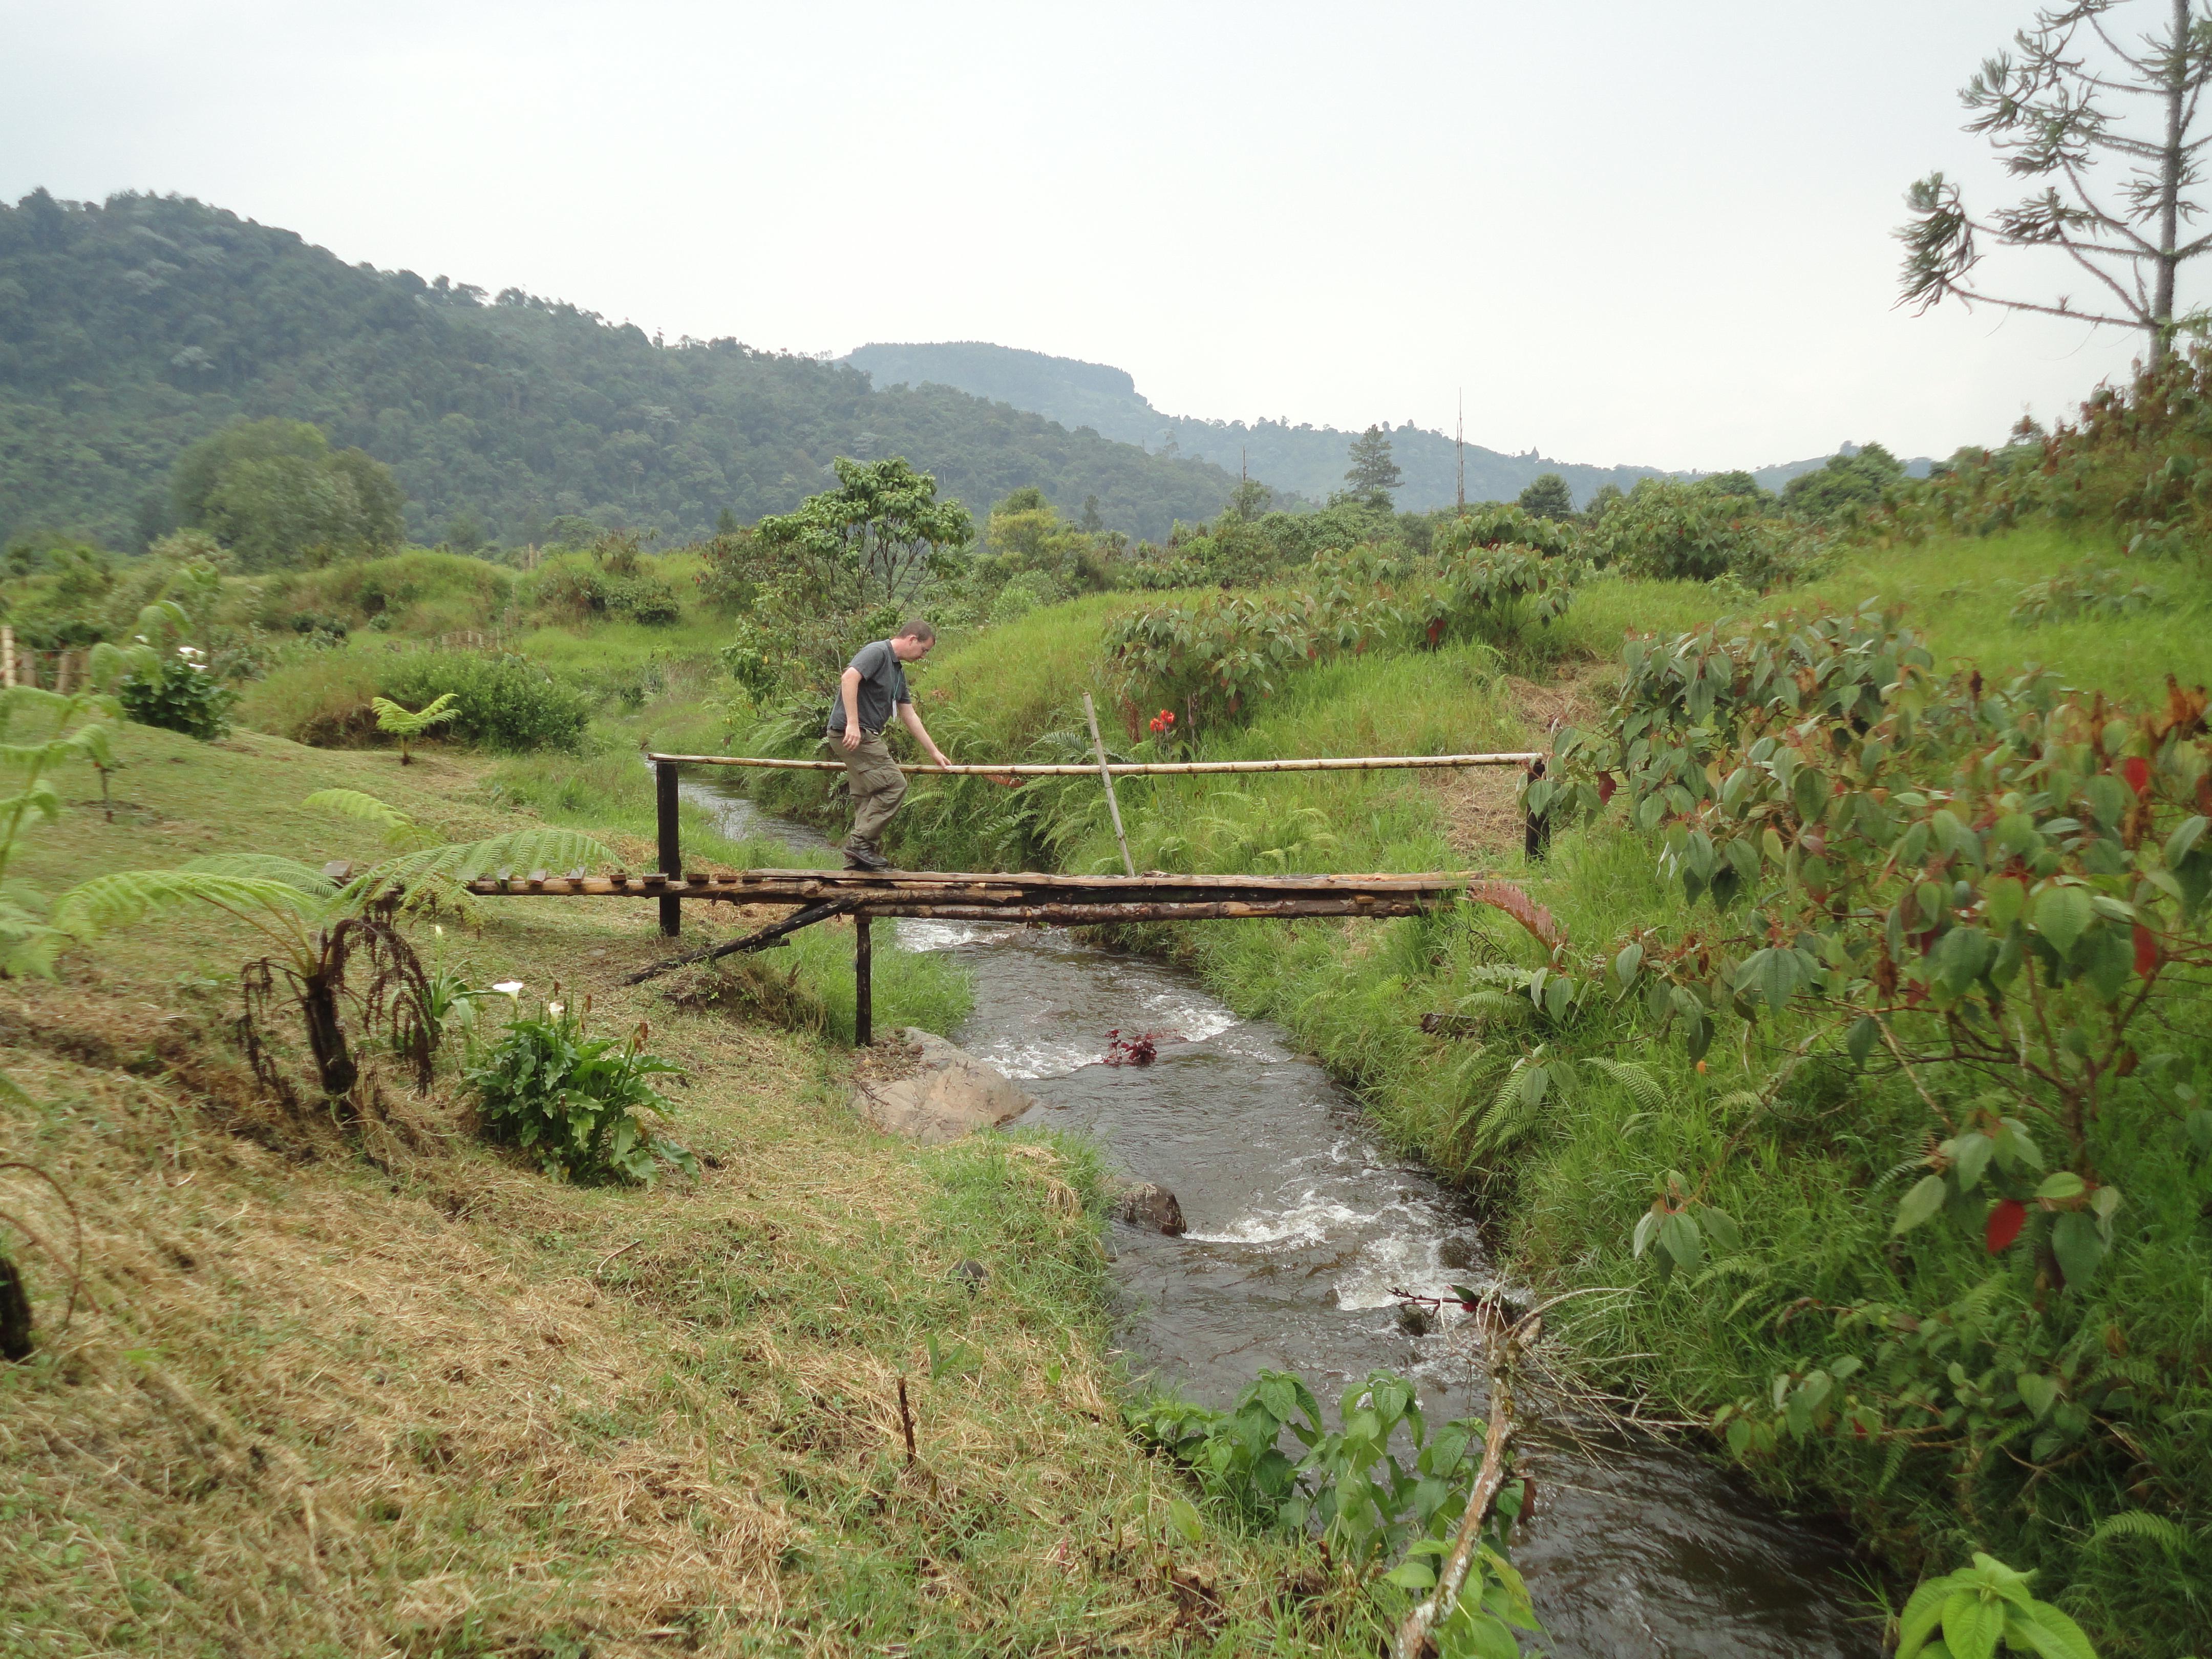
<point x="813" y="896"/>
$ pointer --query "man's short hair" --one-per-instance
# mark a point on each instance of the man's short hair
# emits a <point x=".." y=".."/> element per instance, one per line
<point x="917" y="630"/>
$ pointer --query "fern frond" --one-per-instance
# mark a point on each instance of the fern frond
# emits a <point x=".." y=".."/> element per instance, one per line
<point x="400" y="831"/>
<point x="355" y="803"/>
<point x="404" y="722"/>
<point x="109" y="902"/>
<point x="458" y="863"/>
<point x="265" y="867"/>
<point x="1642" y="1088"/>
<point x="2140" y="1523"/>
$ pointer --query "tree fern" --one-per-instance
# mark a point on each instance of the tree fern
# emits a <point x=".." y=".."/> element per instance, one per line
<point x="409" y="724"/>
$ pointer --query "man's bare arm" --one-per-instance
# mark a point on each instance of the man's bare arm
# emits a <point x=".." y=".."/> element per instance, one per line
<point x="848" y="688"/>
<point x="911" y="716"/>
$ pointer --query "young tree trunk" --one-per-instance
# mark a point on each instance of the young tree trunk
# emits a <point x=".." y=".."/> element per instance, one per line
<point x="2169" y="215"/>
<point x="14" y="1313"/>
<point x="326" y="1037"/>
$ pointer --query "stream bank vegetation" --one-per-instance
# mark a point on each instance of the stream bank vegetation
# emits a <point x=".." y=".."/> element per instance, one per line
<point x="1879" y="846"/>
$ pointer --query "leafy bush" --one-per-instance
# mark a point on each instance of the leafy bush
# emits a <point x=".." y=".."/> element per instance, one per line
<point x="178" y="695"/>
<point x="319" y="698"/>
<point x="2082" y="590"/>
<point x="1668" y="529"/>
<point x="507" y="703"/>
<point x="572" y="1100"/>
<point x="1997" y="897"/>
<point x="1386" y="1514"/>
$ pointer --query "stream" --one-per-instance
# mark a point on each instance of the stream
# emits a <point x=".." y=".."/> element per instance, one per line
<point x="1300" y="1224"/>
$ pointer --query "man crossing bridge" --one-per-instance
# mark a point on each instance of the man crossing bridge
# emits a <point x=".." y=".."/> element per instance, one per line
<point x="870" y="692"/>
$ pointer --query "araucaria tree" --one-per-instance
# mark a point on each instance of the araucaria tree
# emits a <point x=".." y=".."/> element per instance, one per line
<point x="1372" y="475"/>
<point x="2083" y="93"/>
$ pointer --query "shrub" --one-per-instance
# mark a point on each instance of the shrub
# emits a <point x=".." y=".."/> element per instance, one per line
<point x="1670" y="530"/>
<point x="649" y="599"/>
<point x="179" y="695"/>
<point x="572" y="1100"/>
<point x="507" y="703"/>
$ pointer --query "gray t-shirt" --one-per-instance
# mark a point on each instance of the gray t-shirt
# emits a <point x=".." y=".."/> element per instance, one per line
<point x="882" y="688"/>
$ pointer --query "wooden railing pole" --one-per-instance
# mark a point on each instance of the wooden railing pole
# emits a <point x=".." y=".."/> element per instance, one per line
<point x="864" y="1012"/>
<point x="1106" y="772"/>
<point x="671" y="843"/>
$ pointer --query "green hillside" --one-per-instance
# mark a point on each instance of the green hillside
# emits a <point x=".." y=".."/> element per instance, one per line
<point x="129" y="330"/>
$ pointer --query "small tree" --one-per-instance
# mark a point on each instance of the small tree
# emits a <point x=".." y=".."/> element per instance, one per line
<point x="2053" y="113"/>
<point x="1372" y="475"/>
<point x="1548" y="497"/>
<point x="406" y="725"/>
<point x="875" y="539"/>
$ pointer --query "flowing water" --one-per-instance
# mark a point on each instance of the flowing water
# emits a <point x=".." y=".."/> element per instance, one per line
<point x="1300" y="1227"/>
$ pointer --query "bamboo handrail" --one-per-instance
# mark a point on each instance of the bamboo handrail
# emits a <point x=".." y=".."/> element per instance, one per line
<point x="1129" y="768"/>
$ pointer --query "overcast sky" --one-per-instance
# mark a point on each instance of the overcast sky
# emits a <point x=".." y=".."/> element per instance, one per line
<point x="1633" y="232"/>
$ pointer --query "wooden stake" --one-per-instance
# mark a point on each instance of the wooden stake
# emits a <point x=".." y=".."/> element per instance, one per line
<point x="1106" y="773"/>
<point x="864" y="1013"/>
<point x="672" y="845"/>
<point x="8" y="652"/>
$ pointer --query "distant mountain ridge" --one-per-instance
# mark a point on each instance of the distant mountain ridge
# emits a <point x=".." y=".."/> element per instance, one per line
<point x="1304" y="458"/>
<point x="131" y="329"/>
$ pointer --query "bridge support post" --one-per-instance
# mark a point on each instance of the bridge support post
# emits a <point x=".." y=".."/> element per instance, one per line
<point x="671" y="844"/>
<point x="864" y="1012"/>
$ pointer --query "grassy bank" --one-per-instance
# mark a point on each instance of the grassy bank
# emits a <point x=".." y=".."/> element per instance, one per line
<point x="399" y="1392"/>
<point x="1571" y="1169"/>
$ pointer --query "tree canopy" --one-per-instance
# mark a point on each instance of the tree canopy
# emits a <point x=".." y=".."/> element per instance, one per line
<point x="274" y="493"/>
<point x="1547" y="498"/>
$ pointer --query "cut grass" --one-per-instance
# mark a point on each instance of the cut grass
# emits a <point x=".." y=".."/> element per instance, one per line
<point x="407" y="1396"/>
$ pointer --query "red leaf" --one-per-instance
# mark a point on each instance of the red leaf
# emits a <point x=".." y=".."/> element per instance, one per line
<point x="2146" y="951"/>
<point x="2136" y="769"/>
<point x="1605" y="786"/>
<point x="2005" y="1223"/>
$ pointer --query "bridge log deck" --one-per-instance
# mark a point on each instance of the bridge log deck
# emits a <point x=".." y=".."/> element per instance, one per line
<point x="1024" y="895"/>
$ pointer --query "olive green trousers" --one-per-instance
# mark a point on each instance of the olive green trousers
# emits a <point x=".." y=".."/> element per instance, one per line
<point x="877" y="786"/>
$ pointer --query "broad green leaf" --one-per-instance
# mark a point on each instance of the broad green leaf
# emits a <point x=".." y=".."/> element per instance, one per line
<point x="1921" y="1202"/>
<point x="2062" y="915"/>
<point x="1859" y="1041"/>
<point x="1924" y="1613"/>
<point x="1678" y="1237"/>
<point x="1184" y="1518"/>
<point x="1971" y="1155"/>
<point x="1727" y="1238"/>
<point x="1646" y="1225"/>
<point x="1627" y="963"/>
<point x="2038" y="1392"/>
<point x="1411" y="1575"/>
<point x="2060" y="1184"/>
<point x="2182" y="841"/>
<point x="1972" y="1626"/>
<point x="2041" y="1628"/>
<point x="2079" y="1247"/>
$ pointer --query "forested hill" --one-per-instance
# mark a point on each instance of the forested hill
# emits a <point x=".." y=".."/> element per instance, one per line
<point x="1309" y="459"/>
<point x="131" y="330"/>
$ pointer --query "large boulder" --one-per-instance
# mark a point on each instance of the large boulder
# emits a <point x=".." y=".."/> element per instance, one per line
<point x="947" y="1092"/>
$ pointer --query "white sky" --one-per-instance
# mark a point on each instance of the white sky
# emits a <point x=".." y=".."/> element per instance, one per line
<point x="1634" y="232"/>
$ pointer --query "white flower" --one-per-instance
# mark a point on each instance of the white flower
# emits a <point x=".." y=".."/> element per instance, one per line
<point x="509" y="987"/>
<point x="556" y="1009"/>
<point x="439" y="929"/>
